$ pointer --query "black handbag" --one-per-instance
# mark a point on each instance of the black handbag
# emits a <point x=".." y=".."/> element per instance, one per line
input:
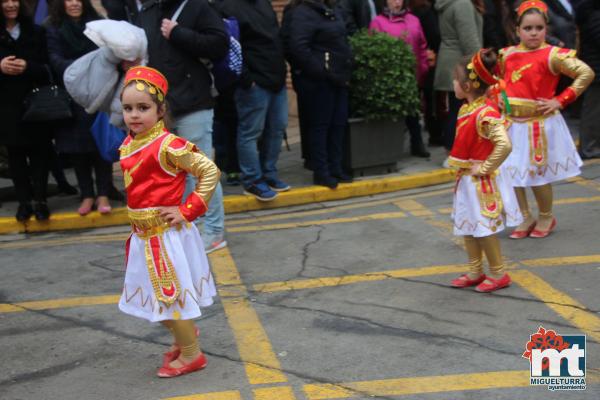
<point x="47" y="103"/>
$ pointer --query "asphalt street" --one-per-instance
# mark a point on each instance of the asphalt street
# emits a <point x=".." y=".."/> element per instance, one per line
<point x="332" y="300"/>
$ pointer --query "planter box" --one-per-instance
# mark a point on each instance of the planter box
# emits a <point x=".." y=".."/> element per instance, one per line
<point x="374" y="147"/>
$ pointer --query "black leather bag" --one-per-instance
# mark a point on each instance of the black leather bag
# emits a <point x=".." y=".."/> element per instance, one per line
<point x="47" y="103"/>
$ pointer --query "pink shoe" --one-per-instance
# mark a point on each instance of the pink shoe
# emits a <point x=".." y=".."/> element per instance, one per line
<point x="103" y="209"/>
<point x="536" y="233"/>
<point x="86" y="207"/>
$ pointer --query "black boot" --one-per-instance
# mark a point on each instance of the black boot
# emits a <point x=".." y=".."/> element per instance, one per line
<point x="24" y="212"/>
<point x="343" y="177"/>
<point x="41" y="211"/>
<point x="325" y="180"/>
<point x="419" y="151"/>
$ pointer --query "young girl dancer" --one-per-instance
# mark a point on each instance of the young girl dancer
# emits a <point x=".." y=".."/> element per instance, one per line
<point x="484" y="201"/>
<point x="544" y="151"/>
<point x="167" y="277"/>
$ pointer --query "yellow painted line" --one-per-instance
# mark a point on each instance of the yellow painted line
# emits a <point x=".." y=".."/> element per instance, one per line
<point x="564" y="305"/>
<point x="230" y="283"/>
<point x="274" y="393"/>
<point x="302" y="224"/>
<point x="59" y="303"/>
<point x="326" y="210"/>
<point x="445" y="210"/>
<point x="414" y="207"/>
<point x="313" y="283"/>
<point x="592" y="161"/>
<point x="419" y="385"/>
<point x="241" y="203"/>
<point x="28" y="243"/>
<point x="254" y="347"/>
<point x="66" y="221"/>
<point x="229" y="395"/>
<point x="428" y="384"/>
<point x="577" y="200"/>
<point x="559" y="261"/>
<point x="588" y="183"/>
<point x="317" y="194"/>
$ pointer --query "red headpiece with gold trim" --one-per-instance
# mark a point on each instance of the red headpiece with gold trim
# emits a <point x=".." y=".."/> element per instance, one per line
<point x="478" y="70"/>
<point x="151" y="77"/>
<point x="532" y="4"/>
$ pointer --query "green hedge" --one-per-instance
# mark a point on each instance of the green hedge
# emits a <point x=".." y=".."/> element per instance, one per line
<point x="383" y="84"/>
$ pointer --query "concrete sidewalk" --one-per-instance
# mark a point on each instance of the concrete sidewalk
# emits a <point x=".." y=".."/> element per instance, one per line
<point x="412" y="172"/>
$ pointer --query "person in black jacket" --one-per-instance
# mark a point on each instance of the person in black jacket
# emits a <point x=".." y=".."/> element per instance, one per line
<point x="321" y="59"/>
<point x="122" y="10"/>
<point x="357" y="14"/>
<point x="261" y="98"/>
<point x="23" y="66"/>
<point x="175" y="48"/>
<point x="588" y="20"/>
<point x="66" y="43"/>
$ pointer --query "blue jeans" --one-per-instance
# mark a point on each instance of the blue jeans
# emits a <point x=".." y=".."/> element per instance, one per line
<point x="197" y="128"/>
<point x="263" y="115"/>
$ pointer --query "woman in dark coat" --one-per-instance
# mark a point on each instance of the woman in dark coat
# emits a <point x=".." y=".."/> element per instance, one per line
<point x="321" y="61"/>
<point x="23" y="59"/>
<point x="66" y="43"/>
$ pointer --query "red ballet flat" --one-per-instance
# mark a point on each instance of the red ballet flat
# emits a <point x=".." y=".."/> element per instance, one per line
<point x="494" y="284"/>
<point x="170" y="356"/>
<point x="464" y="281"/>
<point x="536" y="233"/>
<point x="522" y="234"/>
<point x="196" y="365"/>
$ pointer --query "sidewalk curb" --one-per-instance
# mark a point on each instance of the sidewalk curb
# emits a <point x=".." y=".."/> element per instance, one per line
<point x="241" y="203"/>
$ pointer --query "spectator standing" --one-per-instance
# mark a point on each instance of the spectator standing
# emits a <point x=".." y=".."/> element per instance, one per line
<point x="461" y="28"/>
<point x="397" y="21"/>
<point x="23" y="65"/>
<point x="320" y="54"/>
<point x="174" y="48"/>
<point x="66" y="43"/>
<point x="561" y="28"/>
<point x="261" y="98"/>
<point x="588" y="20"/>
<point x="357" y="14"/>
<point x="122" y="10"/>
<point x="499" y="24"/>
<point x="424" y="10"/>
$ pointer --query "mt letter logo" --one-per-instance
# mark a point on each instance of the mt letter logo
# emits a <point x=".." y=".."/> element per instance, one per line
<point x="557" y="361"/>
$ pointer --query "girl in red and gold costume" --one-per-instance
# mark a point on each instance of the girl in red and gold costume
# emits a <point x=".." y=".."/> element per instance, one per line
<point x="544" y="151"/>
<point x="484" y="201"/>
<point x="168" y="277"/>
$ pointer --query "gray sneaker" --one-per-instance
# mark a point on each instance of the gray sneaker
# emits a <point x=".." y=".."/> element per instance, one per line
<point x="213" y="242"/>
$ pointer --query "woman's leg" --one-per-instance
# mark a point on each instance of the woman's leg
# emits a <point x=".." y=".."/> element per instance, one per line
<point x="335" y="135"/>
<point x="20" y="173"/>
<point x="417" y="148"/>
<point x="103" y="171"/>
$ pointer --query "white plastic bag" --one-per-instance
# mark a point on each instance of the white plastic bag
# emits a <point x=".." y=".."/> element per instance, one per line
<point x="127" y="41"/>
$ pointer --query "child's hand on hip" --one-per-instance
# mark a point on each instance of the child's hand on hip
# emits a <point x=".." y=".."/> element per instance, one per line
<point x="548" y="106"/>
<point x="475" y="169"/>
<point x="172" y="215"/>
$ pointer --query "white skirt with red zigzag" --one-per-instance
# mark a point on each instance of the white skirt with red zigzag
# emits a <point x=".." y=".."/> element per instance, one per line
<point x="180" y="250"/>
<point x="543" y="152"/>
<point x="483" y="206"/>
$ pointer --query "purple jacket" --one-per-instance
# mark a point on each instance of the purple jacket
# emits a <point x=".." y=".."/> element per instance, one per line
<point x="408" y="28"/>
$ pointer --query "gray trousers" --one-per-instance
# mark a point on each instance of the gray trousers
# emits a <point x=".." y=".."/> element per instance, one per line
<point x="590" y="123"/>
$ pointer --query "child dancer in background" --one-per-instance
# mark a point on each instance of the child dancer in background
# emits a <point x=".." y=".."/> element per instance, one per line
<point x="168" y="277"/>
<point x="544" y="151"/>
<point x="484" y="201"/>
